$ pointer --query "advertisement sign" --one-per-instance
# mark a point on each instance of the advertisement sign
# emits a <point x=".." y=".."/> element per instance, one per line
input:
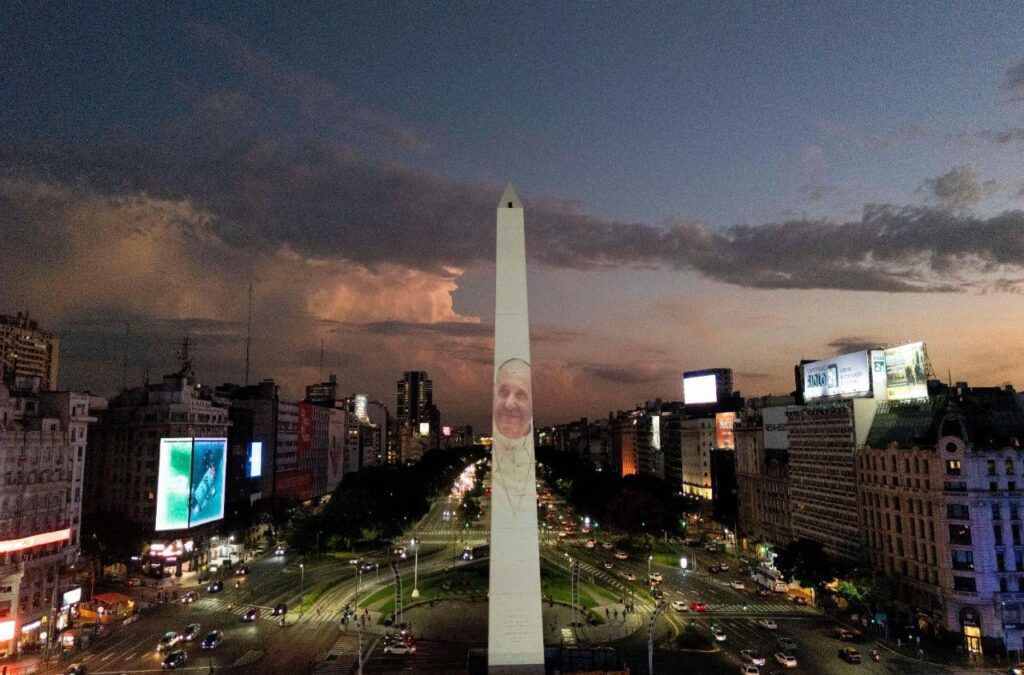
<point x="12" y="545"/>
<point x="296" y="483"/>
<point x="424" y="428"/>
<point x="361" y="403"/>
<point x="774" y="422"/>
<point x="174" y="479"/>
<point x="700" y="389"/>
<point x="848" y="375"/>
<point x="724" y="439"/>
<point x="71" y="597"/>
<point x="656" y="432"/>
<point x="254" y="463"/>
<point x="190" y="482"/>
<point x="206" y="498"/>
<point x="6" y="631"/>
<point x="446" y="431"/>
<point x="906" y="371"/>
<point x="878" y="373"/>
<point x="305" y="439"/>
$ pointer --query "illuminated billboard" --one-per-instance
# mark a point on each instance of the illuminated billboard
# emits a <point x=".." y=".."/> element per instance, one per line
<point x="361" y="403"/>
<point x="724" y="423"/>
<point x="773" y="421"/>
<point x="906" y="372"/>
<point x="656" y="432"/>
<point x="71" y="597"/>
<point x="6" y="631"/>
<point x="424" y="428"/>
<point x="700" y="389"/>
<point x="848" y="375"/>
<point x="254" y="463"/>
<point x="190" y="482"/>
<point x="12" y="545"/>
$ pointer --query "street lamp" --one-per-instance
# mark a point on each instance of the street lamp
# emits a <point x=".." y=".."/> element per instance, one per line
<point x="415" y="543"/>
<point x="302" y="586"/>
<point x="649" y="559"/>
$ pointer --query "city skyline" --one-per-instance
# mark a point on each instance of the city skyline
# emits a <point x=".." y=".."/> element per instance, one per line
<point x="705" y="186"/>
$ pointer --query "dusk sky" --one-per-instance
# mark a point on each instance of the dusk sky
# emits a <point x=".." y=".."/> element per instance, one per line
<point x="706" y="185"/>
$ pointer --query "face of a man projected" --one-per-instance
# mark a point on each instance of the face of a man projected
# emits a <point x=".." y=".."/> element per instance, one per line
<point x="513" y="400"/>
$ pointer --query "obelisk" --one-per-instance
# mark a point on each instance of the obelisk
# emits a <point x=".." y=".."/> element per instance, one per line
<point x="515" y="639"/>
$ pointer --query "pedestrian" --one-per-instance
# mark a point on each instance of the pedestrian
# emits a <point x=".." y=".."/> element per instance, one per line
<point x="615" y="614"/>
<point x="606" y="612"/>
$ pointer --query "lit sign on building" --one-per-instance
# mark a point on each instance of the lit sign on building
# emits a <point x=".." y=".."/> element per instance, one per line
<point x="906" y="372"/>
<point x="724" y="438"/>
<point x="361" y="404"/>
<point x="71" y="597"/>
<point x="6" y="631"/>
<point x="12" y="545"/>
<point x="190" y="482"/>
<point x="424" y="428"/>
<point x="700" y="389"/>
<point x="848" y="375"/>
<point x="447" y="431"/>
<point x="254" y="467"/>
<point x="656" y="432"/>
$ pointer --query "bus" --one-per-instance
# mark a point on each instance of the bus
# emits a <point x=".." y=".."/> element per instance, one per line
<point x="768" y="577"/>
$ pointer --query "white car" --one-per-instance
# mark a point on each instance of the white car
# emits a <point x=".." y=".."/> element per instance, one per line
<point x="738" y="585"/>
<point x="680" y="606"/>
<point x="279" y="551"/>
<point x="755" y="658"/>
<point x="767" y="623"/>
<point x="606" y="545"/>
<point x="719" y="634"/>
<point x="621" y="556"/>
<point x="629" y="576"/>
<point x="750" y="670"/>
<point x="591" y="543"/>
<point x="399" y="647"/>
<point x="784" y="659"/>
<point x="656" y="576"/>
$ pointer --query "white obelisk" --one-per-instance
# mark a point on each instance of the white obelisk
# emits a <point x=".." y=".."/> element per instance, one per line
<point x="515" y="640"/>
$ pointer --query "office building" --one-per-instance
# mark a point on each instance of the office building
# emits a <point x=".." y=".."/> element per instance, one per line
<point x="27" y="352"/>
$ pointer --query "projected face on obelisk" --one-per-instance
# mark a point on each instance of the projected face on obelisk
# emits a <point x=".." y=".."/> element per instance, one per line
<point x="513" y="400"/>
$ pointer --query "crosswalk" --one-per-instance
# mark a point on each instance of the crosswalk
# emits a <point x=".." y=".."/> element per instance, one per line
<point x="757" y="609"/>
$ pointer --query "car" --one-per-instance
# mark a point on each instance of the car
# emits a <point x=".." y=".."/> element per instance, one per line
<point x="698" y="607"/>
<point x="134" y="581"/>
<point x="787" y="643"/>
<point x="750" y="670"/>
<point x="251" y="615"/>
<point x="279" y="609"/>
<point x="715" y="569"/>
<point x="767" y="623"/>
<point x="212" y="640"/>
<point x="279" y="551"/>
<point x="784" y="659"/>
<point x="799" y="599"/>
<point x="398" y="551"/>
<point x="241" y="570"/>
<point x="75" y="669"/>
<point x="399" y="647"/>
<point x="191" y="632"/>
<point x="620" y="555"/>
<point x="368" y="565"/>
<point x="354" y="561"/>
<point x="719" y="634"/>
<point x="849" y="654"/>
<point x="723" y="566"/>
<point x="629" y="576"/>
<point x="680" y="606"/>
<point x="606" y="545"/>
<point x="657" y="594"/>
<point x="175" y="659"/>
<point x="841" y="633"/>
<point x="591" y="543"/>
<point x="711" y="548"/>
<point x="189" y="598"/>
<point x="738" y="585"/>
<point x="656" y="576"/>
<point x="763" y="592"/>
<point x="607" y="564"/>
<point x="215" y="587"/>
<point x="753" y="656"/>
<point x="169" y="639"/>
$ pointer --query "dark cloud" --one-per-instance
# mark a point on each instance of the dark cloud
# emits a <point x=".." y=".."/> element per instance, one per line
<point x="847" y="345"/>
<point x="616" y="374"/>
<point x="446" y="328"/>
<point x="1014" y="82"/>
<point x="957" y="189"/>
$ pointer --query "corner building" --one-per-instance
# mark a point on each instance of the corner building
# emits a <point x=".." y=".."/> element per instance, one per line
<point x="940" y="495"/>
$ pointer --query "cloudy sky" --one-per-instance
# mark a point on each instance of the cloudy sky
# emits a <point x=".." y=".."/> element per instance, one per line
<point x="706" y="185"/>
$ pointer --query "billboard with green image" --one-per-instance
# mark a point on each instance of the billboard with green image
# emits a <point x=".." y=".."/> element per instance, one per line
<point x="190" y="482"/>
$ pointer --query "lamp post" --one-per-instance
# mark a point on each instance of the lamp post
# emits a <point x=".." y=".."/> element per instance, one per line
<point x="302" y="586"/>
<point x="649" y="559"/>
<point x="415" y="543"/>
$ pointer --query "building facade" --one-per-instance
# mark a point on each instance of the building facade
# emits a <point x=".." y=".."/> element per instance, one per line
<point x="27" y="352"/>
<point x="698" y="440"/>
<point x="43" y="438"/>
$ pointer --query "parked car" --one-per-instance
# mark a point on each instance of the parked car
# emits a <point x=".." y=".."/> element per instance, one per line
<point x="738" y="585"/>
<point x="753" y="657"/>
<point x="191" y="631"/>
<point x="719" y="634"/>
<point x="251" y="615"/>
<point x="698" y="607"/>
<point x="679" y="606"/>
<point x="215" y="587"/>
<point x="629" y="576"/>
<point x="621" y="555"/>
<point x="750" y="670"/>
<point x="212" y="640"/>
<point x="175" y="659"/>
<point x="849" y="654"/>
<point x="767" y="623"/>
<point x="787" y="660"/>
<point x="169" y="639"/>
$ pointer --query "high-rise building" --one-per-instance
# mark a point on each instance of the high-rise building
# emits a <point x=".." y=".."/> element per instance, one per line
<point x="823" y="492"/>
<point x="27" y="352"/>
<point x="623" y="429"/>
<point x="762" y="476"/>
<point x="939" y="485"/>
<point x="323" y="393"/>
<point x="698" y="440"/>
<point x="43" y="437"/>
<point x="415" y="396"/>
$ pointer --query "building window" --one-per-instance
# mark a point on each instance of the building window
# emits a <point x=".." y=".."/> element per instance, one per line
<point x="1008" y="465"/>
<point x="997" y="534"/>
<point x="996" y="512"/>
<point x="965" y="584"/>
<point x="960" y="535"/>
<point x="1003" y="586"/>
<point x="958" y="512"/>
<point x="1015" y="533"/>
<point x="963" y="560"/>
<point x="952" y="467"/>
<point x="991" y="467"/>
<point x="1000" y="561"/>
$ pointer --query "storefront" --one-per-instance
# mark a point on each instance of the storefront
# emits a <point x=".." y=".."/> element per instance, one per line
<point x="970" y="625"/>
<point x="167" y="558"/>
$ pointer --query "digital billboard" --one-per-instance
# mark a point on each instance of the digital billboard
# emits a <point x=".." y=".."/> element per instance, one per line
<point x="656" y="432"/>
<point x="71" y="597"/>
<point x="190" y="482"/>
<point x="724" y="438"/>
<point x="304" y="442"/>
<point x="6" y="631"/>
<point x="906" y="372"/>
<point x="254" y="463"/>
<point x="700" y="389"/>
<point x="847" y="375"/>
<point x="774" y="422"/>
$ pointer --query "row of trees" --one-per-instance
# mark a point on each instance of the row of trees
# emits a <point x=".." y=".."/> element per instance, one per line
<point x="379" y="502"/>
<point x="807" y="561"/>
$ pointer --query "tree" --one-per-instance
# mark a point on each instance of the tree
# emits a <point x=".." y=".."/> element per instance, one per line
<point x="806" y="561"/>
